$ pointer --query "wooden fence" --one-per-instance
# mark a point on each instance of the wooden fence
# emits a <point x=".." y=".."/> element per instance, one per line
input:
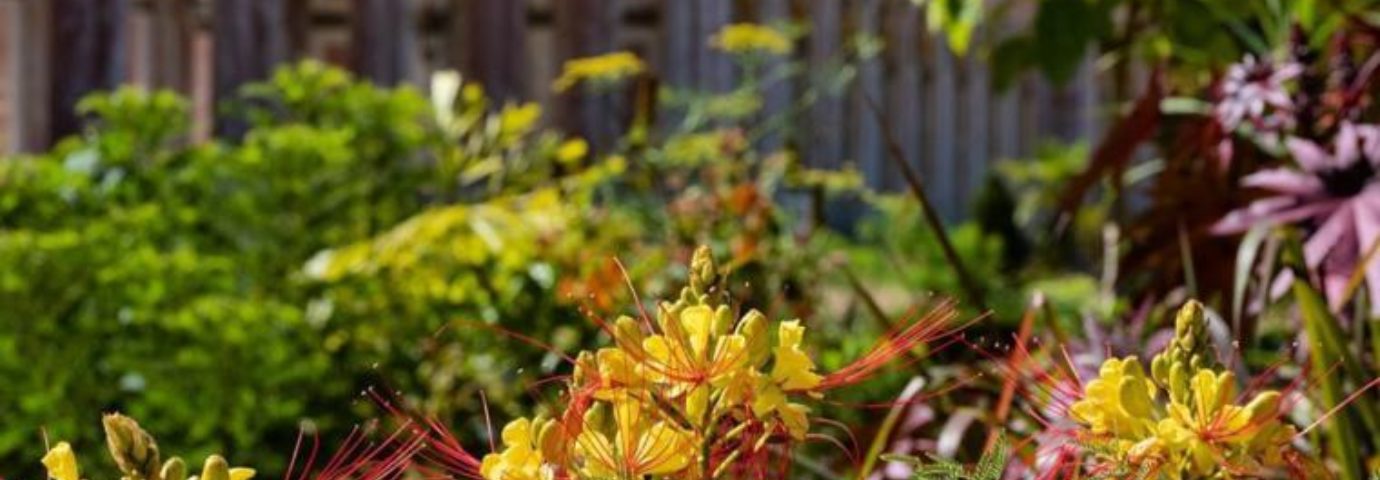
<point x="947" y="119"/>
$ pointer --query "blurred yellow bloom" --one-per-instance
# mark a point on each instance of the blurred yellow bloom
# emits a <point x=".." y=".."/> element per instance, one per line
<point x="61" y="462"/>
<point x="606" y="68"/>
<point x="744" y="38"/>
<point x="520" y="459"/>
<point x="514" y="121"/>
<point x="572" y="150"/>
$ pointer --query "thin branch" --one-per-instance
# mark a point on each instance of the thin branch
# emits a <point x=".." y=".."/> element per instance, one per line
<point x="970" y="287"/>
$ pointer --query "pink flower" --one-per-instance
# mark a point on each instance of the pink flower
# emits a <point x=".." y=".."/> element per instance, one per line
<point x="1335" y="197"/>
<point x="1249" y="88"/>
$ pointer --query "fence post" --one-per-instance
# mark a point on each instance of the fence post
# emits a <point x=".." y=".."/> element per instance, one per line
<point x="382" y="40"/>
<point x="495" y="47"/>
<point x="587" y="27"/>
<point x="249" y="40"/>
<point x="87" y="56"/>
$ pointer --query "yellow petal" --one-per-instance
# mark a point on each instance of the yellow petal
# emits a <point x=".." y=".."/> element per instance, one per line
<point x="61" y="462"/>
<point x="241" y="473"/>
<point x="663" y="450"/>
<point x="793" y="369"/>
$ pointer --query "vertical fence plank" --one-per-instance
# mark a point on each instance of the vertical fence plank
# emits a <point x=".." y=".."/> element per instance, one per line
<point x="681" y="65"/>
<point x="249" y="40"/>
<point x="715" y="68"/>
<point x="865" y="131"/>
<point x="779" y="94"/>
<point x="904" y="88"/>
<point x="976" y="101"/>
<point x="87" y="56"/>
<point x="495" y="44"/>
<point x="382" y="40"/>
<point x="942" y="131"/>
<point x="587" y="27"/>
<point x="826" y="115"/>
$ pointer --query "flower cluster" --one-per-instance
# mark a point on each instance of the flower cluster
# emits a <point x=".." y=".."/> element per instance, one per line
<point x="700" y="392"/>
<point x="751" y="38"/>
<point x="599" y="69"/>
<point x="1196" y="429"/>
<point x="136" y="454"/>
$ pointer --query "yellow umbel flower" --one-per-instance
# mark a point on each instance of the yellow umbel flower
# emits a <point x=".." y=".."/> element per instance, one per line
<point x="749" y="38"/>
<point x="61" y="463"/>
<point x="599" y="69"/>
<point x="1195" y="430"/>
<point x="520" y="459"/>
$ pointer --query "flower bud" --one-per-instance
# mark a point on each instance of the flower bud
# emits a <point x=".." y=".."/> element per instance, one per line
<point x="754" y="329"/>
<point x="215" y="468"/>
<point x="134" y="450"/>
<point x="174" y="469"/>
<point x="703" y="273"/>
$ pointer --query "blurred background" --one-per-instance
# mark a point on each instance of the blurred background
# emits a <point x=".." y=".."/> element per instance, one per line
<point x="234" y="219"/>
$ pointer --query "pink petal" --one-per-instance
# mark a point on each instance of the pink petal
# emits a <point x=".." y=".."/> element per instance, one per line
<point x="1271" y="211"/>
<point x="1309" y="155"/>
<point x="1367" y="234"/>
<point x="1336" y="229"/>
<point x="1347" y="145"/>
<point x="1284" y="180"/>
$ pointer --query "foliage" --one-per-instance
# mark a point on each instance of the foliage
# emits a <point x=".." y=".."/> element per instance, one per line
<point x="991" y="466"/>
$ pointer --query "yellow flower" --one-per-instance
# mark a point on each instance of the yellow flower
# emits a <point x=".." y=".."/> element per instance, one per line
<point x="520" y="459"/>
<point x="603" y="69"/>
<point x="61" y="462"/>
<point x="640" y="446"/>
<point x="695" y="348"/>
<point x="515" y="121"/>
<point x="793" y="369"/>
<point x="241" y="473"/>
<point x="1120" y="402"/>
<point x="572" y="150"/>
<point x="745" y="38"/>
<point x="771" y="399"/>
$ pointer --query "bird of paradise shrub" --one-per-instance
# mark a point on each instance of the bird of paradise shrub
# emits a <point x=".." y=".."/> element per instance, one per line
<point x="1184" y="418"/>
<point x="699" y="391"/>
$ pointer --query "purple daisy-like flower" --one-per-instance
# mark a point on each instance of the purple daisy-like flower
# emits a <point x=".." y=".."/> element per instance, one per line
<point x="1250" y="88"/>
<point x="1336" y="196"/>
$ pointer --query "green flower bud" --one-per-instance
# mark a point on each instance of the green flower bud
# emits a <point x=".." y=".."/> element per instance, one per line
<point x="703" y="273"/>
<point x="174" y="469"/>
<point x="1189" y="351"/>
<point x="627" y="334"/>
<point x="754" y="329"/>
<point x="134" y="450"/>
<point x="215" y="469"/>
<point x="1263" y="407"/>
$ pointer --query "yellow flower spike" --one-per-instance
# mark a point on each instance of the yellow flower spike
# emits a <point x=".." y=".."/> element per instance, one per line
<point x="749" y="38"/>
<point x="601" y="69"/>
<point x="61" y="462"/>
<point x="572" y="151"/>
<point x="793" y="370"/>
